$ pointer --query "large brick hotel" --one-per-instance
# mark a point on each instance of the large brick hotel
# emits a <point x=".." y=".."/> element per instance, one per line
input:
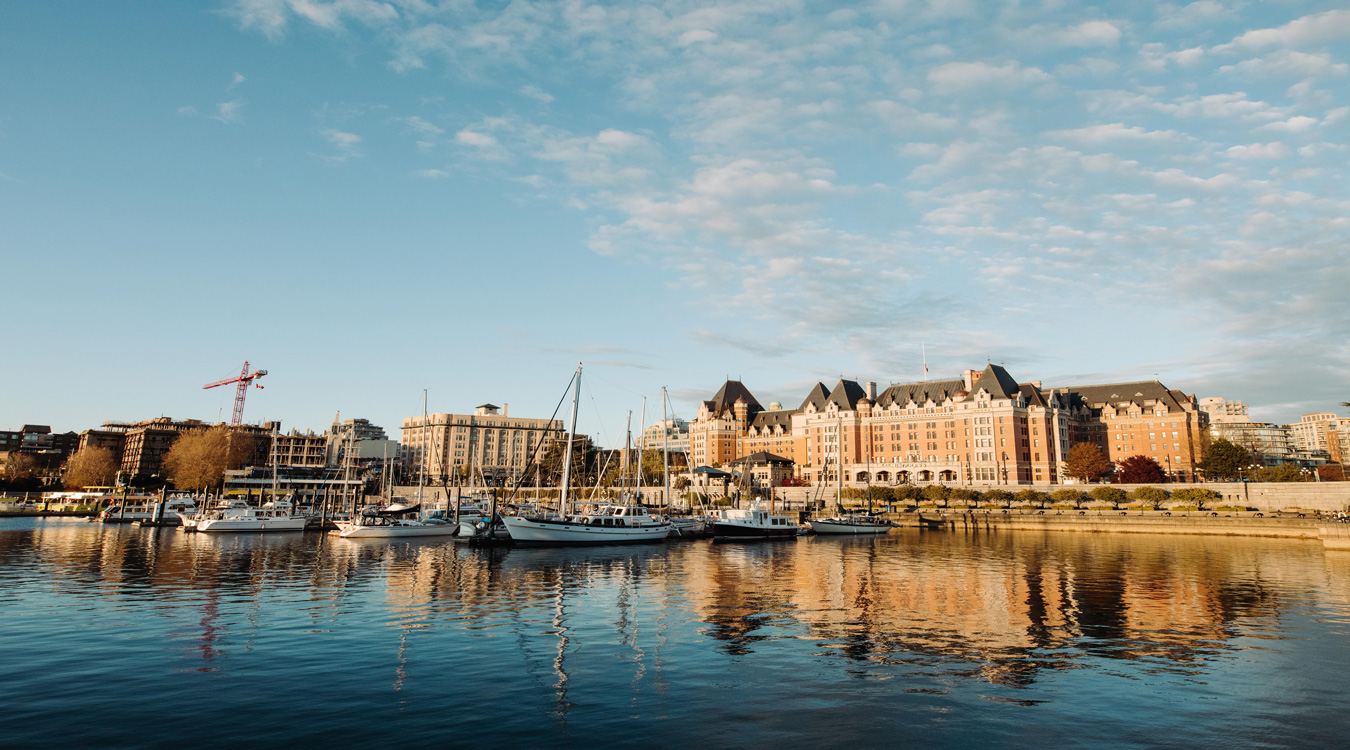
<point x="983" y="428"/>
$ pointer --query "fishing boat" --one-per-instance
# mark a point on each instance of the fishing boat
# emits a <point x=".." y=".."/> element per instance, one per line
<point x="755" y="522"/>
<point x="607" y="524"/>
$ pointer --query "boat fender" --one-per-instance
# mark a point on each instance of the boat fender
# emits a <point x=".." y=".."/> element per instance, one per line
<point x="480" y="526"/>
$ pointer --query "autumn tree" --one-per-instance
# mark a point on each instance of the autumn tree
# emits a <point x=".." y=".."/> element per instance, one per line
<point x="1085" y="462"/>
<point x="1138" y="470"/>
<point x="906" y="493"/>
<point x="1224" y="460"/>
<point x="92" y="466"/>
<point x="964" y="496"/>
<point x="551" y="462"/>
<point x="198" y="460"/>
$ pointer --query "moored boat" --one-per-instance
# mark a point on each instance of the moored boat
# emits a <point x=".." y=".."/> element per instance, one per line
<point x="241" y="517"/>
<point x="755" y="522"/>
<point x="851" y="524"/>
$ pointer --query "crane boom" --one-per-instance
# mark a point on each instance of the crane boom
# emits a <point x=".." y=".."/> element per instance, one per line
<point x="243" y="379"/>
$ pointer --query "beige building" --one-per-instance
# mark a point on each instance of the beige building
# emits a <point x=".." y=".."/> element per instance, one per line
<point x="1323" y="433"/>
<point x="982" y="428"/>
<point x="488" y="440"/>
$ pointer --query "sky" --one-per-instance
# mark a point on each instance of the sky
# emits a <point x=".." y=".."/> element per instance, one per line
<point x="369" y="198"/>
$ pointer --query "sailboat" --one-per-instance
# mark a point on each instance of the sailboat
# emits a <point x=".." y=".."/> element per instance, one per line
<point x="399" y="520"/>
<point x="274" y="515"/>
<point x="852" y="523"/>
<point x="607" y="524"/>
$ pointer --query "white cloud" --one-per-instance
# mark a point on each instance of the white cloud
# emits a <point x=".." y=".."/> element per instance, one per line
<point x="1296" y="124"/>
<point x="431" y="174"/>
<point x="1202" y="12"/>
<point x="346" y="145"/>
<point x="1289" y="63"/>
<point x="1272" y="150"/>
<point x="1100" y="134"/>
<point x="536" y="93"/>
<point x="229" y="112"/>
<point x="960" y="76"/>
<point x="1319" y="28"/>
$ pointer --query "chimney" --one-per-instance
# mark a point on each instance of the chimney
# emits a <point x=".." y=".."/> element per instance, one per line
<point x="506" y="409"/>
<point x="968" y="377"/>
<point x="872" y="391"/>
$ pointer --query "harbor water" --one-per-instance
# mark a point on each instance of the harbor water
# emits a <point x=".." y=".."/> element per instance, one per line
<point x="115" y="636"/>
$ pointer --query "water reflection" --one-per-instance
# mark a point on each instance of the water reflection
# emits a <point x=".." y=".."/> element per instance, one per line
<point x="545" y="630"/>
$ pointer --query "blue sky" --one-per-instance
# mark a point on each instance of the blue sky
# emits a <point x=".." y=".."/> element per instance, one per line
<point x="370" y="198"/>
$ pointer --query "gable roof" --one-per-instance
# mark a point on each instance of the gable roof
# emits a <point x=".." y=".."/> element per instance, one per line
<point x="728" y="394"/>
<point x="819" y="396"/>
<point x="776" y="418"/>
<point x="1116" y="394"/>
<point x="920" y="393"/>
<point x="847" y="394"/>
<point x="762" y="457"/>
<point x="997" y="382"/>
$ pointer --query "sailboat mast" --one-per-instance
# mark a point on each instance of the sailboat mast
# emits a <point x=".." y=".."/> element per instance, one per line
<point x="274" y="463"/>
<point x="839" y="472"/>
<point x="567" y="449"/>
<point x="665" y="451"/>
<point x="426" y="453"/>
<point x="627" y="456"/>
<point x="642" y="446"/>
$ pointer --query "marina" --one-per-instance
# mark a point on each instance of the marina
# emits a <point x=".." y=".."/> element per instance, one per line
<point x="947" y="639"/>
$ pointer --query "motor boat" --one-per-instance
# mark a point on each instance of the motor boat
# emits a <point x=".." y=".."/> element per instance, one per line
<point x="755" y="522"/>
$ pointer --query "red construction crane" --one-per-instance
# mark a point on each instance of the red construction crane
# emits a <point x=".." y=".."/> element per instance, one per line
<point x="244" y="378"/>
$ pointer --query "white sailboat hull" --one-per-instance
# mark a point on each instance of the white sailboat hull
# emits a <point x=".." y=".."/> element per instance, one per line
<point x="218" y="525"/>
<point x="548" y="531"/>
<point x="354" y="531"/>
<point x="848" y="526"/>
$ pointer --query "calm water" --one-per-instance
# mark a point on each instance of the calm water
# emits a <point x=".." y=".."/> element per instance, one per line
<point x="119" y="637"/>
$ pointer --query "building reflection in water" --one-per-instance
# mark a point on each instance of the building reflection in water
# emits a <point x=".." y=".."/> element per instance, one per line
<point x="1002" y="607"/>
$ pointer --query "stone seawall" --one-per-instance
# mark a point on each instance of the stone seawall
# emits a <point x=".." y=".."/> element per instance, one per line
<point x="1128" y="523"/>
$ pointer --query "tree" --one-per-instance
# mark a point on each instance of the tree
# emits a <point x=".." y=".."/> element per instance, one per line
<point x="90" y="467"/>
<point x="998" y="497"/>
<point x="935" y="493"/>
<point x="1086" y="462"/>
<point x="1068" y="497"/>
<point x="1196" y="496"/>
<point x="552" y="461"/>
<point x="1138" y="470"/>
<point x="1149" y="497"/>
<point x="198" y="460"/>
<point x="906" y="493"/>
<point x="1113" y="496"/>
<point x="1224" y="460"/>
<point x="965" y="496"/>
<point x="1280" y="473"/>
<point x="21" y="472"/>
<point x="1031" y="497"/>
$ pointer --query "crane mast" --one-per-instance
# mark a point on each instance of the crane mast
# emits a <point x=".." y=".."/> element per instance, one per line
<point x="244" y="379"/>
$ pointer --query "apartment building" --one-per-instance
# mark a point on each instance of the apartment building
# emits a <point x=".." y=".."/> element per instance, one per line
<point x="488" y="440"/>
